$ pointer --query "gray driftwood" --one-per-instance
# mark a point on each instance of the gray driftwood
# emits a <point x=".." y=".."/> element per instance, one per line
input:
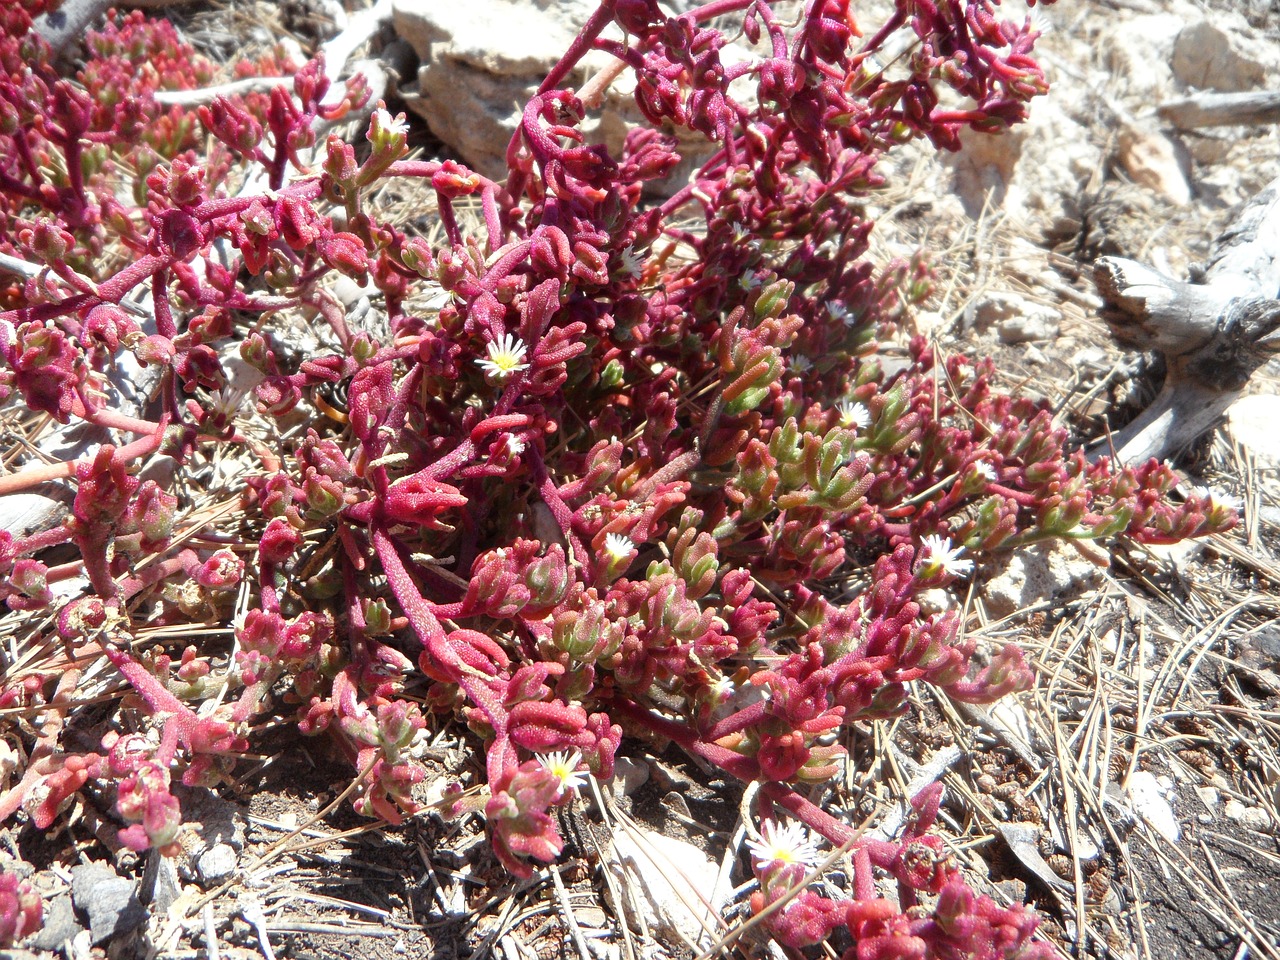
<point x="1213" y="331"/>
<point x="1222" y="109"/>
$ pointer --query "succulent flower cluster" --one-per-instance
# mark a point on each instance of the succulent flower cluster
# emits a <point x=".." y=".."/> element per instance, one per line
<point x="641" y="475"/>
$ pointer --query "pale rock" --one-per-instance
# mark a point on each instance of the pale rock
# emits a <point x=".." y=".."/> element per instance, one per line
<point x="215" y="864"/>
<point x="1010" y="715"/>
<point x="481" y="61"/>
<point x="1045" y="571"/>
<point x="1026" y="169"/>
<point x="1154" y="160"/>
<point x="936" y="600"/>
<point x="1177" y="554"/>
<point x="1016" y="318"/>
<point x="629" y="775"/>
<point x="1136" y="55"/>
<point x="1086" y="849"/>
<point x="1253" y="818"/>
<point x="59" y="925"/>
<point x="1091" y="356"/>
<point x="666" y="882"/>
<point x="1034" y="355"/>
<point x="1251" y="421"/>
<point x="1208" y="57"/>
<point x="1040" y="323"/>
<point x="8" y="764"/>
<point x="211" y="836"/>
<point x="1150" y="798"/>
<point x="1210" y="797"/>
<point x="930" y="322"/>
<point x="1260" y="647"/>
<point x="160" y="887"/>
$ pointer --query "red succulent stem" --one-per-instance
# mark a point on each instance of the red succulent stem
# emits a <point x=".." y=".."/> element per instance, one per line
<point x="882" y="853"/>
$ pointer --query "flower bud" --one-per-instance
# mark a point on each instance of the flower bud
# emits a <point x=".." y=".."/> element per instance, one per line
<point x="344" y="252"/>
<point x="279" y="541"/>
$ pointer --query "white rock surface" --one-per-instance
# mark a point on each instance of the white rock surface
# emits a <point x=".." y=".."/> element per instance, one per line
<point x="1208" y="57"/>
<point x="1054" y="572"/>
<point x="1254" y="818"/>
<point x="1137" y="54"/>
<point x="1252" y="423"/>
<point x="1155" y="160"/>
<point x="1016" y="318"/>
<point x="667" y="882"/>
<point x="1025" y="170"/>
<point x="483" y="59"/>
<point x="1149" y="797"/>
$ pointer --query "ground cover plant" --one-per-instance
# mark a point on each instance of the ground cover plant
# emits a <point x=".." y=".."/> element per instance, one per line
<point x="637" y="474"/>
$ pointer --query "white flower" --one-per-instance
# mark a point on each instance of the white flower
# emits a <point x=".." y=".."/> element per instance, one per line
<point x="506" y="356"/>
<point x="227" y="402"/>
<point x="721" y="689"/>
<point x="751" y="280"/>
<point x="1219" y="500"/>
<point x="396" y="126"/>
<point x="839" y="311"/>
<point x="985" y="470"/>
<point x="1039" y="21"/>
<point x="941" y="555"/>
<point x="392" y="126"/>
<point x="632" y="262"/>
<point x="515" y="446"/>
<point x="785" y="845"/>
<point x="617" y="546"/>
<point x="853" y="416"/>
<point x="563" y="765"/>
<point x="742" y="237"/>
<point x="801" y="364"/>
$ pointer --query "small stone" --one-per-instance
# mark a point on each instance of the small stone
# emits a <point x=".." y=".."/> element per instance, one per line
<point x="60" y="925"/>
<point x="1210" y="797"/>
<point x="1136" y="53"/>
<point x="110" y="901"/>
<point x="629" y="775"/>
<point x="1045" y="571"/>
<point x="480" y="61"/>
<point x="1260" y="648"/>
<point x="215" y="864"/>
<point x="591" y="918"/>
<point x="1086" y="850"/>
<point x="1091" y="356"/>
<point x="160" y="883"/>
<point x="1041" y="325"/>
<point x="211" y="836"/>
<point x="1016" y="318"/>
<point x="936" y="600"/>
<point x="1252" y="818"/>
<point x="1149" y="796"/>
<point x="1156" y="161"/>
<point x="1177" y="554"/>
<point x="929" y="322"/>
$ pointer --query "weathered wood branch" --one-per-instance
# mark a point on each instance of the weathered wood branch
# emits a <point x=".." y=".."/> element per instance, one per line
<point x="1213" y="332"/>
<point x="1222" y="109"/>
